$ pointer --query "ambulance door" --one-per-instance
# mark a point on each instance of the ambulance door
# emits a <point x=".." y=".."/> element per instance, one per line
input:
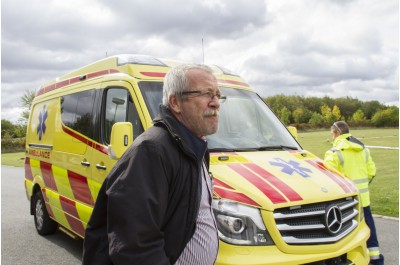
<point x="72" y="166"/>
<point x="117" y="105"/>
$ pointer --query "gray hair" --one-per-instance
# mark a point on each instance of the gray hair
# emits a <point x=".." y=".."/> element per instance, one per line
<point x="176" y="80"/>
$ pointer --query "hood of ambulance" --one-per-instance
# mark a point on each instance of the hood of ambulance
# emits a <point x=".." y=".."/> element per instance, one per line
<point x="276" y="179"/>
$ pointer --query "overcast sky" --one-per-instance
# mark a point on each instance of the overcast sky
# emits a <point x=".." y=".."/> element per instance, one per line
<point x="335" y="48"/>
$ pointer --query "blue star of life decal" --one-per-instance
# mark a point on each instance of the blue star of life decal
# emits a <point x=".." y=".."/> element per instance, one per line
<point x="41" y="129"/>
<point x="289" y="167"/>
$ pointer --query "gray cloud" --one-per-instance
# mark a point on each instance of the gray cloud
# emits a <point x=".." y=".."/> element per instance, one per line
<point x="313" y="48"/>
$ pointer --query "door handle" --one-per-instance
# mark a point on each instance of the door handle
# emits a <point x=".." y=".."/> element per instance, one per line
<point x="85" y="163"/>
<point x="101" y="167"/>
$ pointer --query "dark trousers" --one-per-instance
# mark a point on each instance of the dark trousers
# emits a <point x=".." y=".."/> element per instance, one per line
<point x="373" y="239"/>
<point x="372" y="242"/>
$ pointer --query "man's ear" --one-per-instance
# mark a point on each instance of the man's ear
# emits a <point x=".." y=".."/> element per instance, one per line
<point x="174" y="104"/>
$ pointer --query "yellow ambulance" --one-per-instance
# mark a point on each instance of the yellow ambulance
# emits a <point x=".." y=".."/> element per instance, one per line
<point x="274" y="202"/>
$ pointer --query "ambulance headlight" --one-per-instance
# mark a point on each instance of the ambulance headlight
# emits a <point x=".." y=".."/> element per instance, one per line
<point x="239" y="224"/>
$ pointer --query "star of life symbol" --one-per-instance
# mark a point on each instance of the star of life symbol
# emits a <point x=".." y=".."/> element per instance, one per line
<point x="290" y="167"/>
<point x="41" y="129"/>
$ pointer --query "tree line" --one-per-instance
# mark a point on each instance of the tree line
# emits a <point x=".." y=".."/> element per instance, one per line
<point x="299" y="111"/>
<point x="313" y="112"/>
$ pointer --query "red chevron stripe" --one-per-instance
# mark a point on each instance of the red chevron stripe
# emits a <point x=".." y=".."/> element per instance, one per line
<point x="290" y="193"/>
<point x="344" y="184"/>
<point x="233" y="82"/>
<point x="153" y="74"/>
<point x="234" y="196"/>
<point x="258" y="182"/>
<point x="80" y="188"/>
<point x="28" y="169"/>
<point x="46" y="201"/>
<point x="74" y="80"/>
<point x="69" y="206"/>
<point x="75" y="225"/>
<point x="72" y="216"/>
<point x="218" y="182"/>
<point x="231" y="193"/>
<point x="85" y="140"/>
<point x="48" y="176"/>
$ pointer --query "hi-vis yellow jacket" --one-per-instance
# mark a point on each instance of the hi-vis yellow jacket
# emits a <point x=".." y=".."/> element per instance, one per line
<point x="350" y="157"/>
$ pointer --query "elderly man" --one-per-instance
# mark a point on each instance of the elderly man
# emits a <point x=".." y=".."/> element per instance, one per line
<point x="352" y="158"/>
<point x="155" y="205"/>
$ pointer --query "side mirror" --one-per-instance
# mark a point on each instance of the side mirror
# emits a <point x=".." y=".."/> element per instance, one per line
<point x="293" y="131"/>
<point x="121" y="139"/>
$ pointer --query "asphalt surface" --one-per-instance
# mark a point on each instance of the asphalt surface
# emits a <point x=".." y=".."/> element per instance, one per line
<point x="21" y="245"/>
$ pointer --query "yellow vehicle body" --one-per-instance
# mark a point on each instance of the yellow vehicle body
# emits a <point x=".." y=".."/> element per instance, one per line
<point x="71" y="147"/>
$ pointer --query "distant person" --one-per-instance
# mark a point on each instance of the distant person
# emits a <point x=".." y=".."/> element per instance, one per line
<point x="350" y="157"/>
<point x="154" y="208"/>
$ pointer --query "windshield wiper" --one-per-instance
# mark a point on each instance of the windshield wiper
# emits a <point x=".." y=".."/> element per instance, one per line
<point x="211" y="150"/>
<point x="277" y="147"/>
<point x="262" y="148"/>
<point x="214" y="150"/>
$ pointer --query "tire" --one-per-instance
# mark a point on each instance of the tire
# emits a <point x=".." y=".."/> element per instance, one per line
<point x="43" y="223"/>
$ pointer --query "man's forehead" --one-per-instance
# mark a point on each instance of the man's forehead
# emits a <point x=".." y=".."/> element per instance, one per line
<point x="200" y="75"/>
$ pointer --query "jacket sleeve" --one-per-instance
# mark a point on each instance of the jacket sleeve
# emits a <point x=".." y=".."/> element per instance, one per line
<point x="137" y="202"/>
<point x="331" y="160"/>
<point x="371" y="168"/>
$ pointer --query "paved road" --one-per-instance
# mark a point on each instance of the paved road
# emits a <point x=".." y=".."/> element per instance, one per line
<point x="20" y="244"/>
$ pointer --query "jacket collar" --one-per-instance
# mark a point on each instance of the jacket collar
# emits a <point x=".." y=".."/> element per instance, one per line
<point x="347" y="141"/>
<point x="190" y="143"/>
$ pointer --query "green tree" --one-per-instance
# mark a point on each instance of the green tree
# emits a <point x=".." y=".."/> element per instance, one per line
<point x="298" y="115"/>
<point x="301" y="115"/>
<point x="336" y="113"/>
<point x="26" y="103"/>
<point x="284" y="115"/>
<point x="313" y="104"/>
<point x="327" y="115"/>
<point x="7" y="129"/>
<point x="371" y="107"/>
<point x="358" y="118"/>
<point x="316" y="120"/>
<point x="386" y="117"/>
<point x="347" y="106"/>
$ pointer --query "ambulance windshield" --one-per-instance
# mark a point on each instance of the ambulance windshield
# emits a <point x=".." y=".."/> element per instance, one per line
<point x="246" y="123"/>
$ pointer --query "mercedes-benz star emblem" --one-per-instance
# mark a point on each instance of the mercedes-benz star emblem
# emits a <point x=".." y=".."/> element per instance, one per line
<point x="333" y="219"/>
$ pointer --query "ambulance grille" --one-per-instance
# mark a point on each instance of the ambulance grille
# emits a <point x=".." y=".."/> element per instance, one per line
<point x="319" y="223"/>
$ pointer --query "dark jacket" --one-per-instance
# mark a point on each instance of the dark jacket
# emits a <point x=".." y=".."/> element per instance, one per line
<point x="146" y="210"/>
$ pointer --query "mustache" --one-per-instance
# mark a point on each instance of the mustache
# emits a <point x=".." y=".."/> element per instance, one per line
<point x="211" y="113"/>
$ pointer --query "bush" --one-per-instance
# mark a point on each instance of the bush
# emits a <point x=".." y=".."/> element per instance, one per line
<point x="12" y="145"/>
<point x="386" y="118"/>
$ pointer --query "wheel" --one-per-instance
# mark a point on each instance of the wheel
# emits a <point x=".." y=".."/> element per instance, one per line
<point x="43" y="223"/>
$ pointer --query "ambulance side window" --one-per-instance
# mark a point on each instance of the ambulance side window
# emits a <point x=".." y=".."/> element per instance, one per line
<point x="77" y="111"/>
<point x="119" y="107"/>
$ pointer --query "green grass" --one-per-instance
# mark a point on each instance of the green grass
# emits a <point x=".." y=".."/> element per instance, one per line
<point x="13" y="159"/>
<point x="384" y="190"/>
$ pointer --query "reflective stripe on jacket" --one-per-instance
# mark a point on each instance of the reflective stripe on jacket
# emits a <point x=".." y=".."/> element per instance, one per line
<point x="352" y="158"/>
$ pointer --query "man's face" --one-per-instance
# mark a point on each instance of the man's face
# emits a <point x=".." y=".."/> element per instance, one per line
<point x="197" y="111"/>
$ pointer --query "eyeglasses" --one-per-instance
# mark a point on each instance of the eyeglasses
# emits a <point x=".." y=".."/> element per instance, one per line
<point x="206" y="94"/>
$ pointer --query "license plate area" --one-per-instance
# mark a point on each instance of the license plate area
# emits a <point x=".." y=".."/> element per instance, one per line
<point x="341" y="260"/>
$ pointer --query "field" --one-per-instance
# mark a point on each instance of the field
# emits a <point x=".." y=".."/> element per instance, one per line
<point x="384" y="190"/>
<point x="385" y="187"/>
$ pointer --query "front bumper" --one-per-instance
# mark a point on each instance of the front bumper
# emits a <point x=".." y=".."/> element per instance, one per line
<point x="355" y="249"/>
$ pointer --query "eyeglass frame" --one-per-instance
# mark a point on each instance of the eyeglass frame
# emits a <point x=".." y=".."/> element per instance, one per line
<point x="201" y="93"/>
